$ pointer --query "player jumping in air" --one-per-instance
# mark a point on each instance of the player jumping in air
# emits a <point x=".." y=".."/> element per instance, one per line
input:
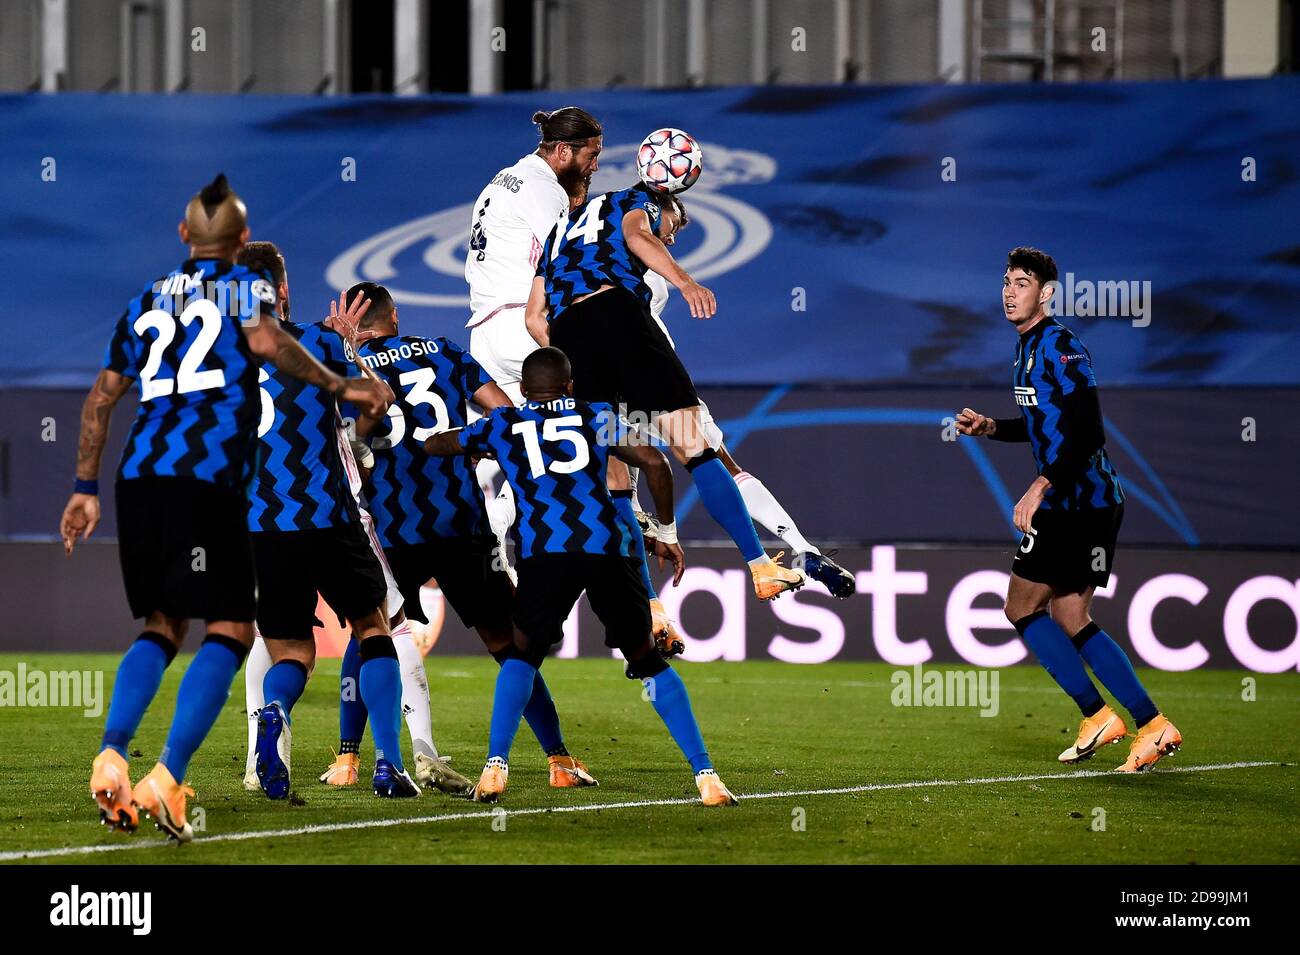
<point x="762" y="504"/>
<point x="512" y="217"/>
<point x="193" y="340"/>
<point x="429" y="512"/>
<point x="553" y="450"/>
<point x="309" y="536"/>
<point x="590" y="300"/>
<point x="1070" y="518"/>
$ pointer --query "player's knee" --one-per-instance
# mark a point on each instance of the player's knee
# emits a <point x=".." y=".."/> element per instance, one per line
<point x="1070" y="619"/>
<point x="646" y="666"/>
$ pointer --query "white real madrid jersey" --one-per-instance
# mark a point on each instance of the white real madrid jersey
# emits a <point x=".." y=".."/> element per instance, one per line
<point x="512" y="217"/>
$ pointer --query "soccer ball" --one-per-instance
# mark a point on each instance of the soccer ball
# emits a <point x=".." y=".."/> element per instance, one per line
<point x="669" y="160"/>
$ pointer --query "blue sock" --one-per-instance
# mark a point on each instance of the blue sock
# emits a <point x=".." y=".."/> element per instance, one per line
<point x="1115" y="671"/>
<point x="203" y="692"/>
<point x="138" y="677"/>
<point x="722" y="500"/>
<point x="352" y="709"/>
<point x="284" y="684"/>
<point x="627" y="511"/>
<point x="669" y="698"/>
<point x="514" y="687"/>
<point x="1058" y="657"/>
<point x="380" y="683"/>
<point x="542" y="718"/>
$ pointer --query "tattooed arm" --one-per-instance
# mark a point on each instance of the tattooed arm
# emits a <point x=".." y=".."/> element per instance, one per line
<point x="272" y="343"/>
<point x="81" y="515"/>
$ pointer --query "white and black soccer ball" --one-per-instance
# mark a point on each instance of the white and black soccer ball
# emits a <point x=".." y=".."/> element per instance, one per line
<point x="669" y="160"/>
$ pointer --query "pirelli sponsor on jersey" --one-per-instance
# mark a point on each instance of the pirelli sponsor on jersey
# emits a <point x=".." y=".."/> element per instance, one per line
<point x="1026" y="396"/>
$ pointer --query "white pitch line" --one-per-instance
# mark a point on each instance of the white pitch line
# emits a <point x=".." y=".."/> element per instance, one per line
<point x="593" y="807"/>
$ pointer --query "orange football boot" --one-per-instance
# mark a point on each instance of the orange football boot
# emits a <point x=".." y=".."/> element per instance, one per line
<point x="713" y="792"/>
<point x="1157" y="738"/>
<point x="162" y="797"/>
<point x="1100" y="729"/>
<point x="491" y="785"/>
<point x="771" y="579"/>
<point x="110" y="787"/>
<point x="344" y="771"/>
<point x="567" y="772"/>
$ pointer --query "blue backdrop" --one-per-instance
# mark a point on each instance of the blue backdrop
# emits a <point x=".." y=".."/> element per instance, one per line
<point x="833" y="199"/>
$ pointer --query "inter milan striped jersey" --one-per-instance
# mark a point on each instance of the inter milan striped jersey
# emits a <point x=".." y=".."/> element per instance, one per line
<point x="1051" y="365"/>
<point x="300" y="482"/>
<point x="554" y="457"/>
<point x="587" y="250"/>
<point x="181" y="339"/>
<point x="415" y="497"/>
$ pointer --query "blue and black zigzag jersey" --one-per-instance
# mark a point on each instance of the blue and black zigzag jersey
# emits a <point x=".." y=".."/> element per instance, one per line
<point x="181" y="339"/>
<point x="587" y="250"/>
<point x="1057" y="394"/>
<point x="300" y="482"/>
<point x="554" y="457"/>
<point x="415" y="497"/>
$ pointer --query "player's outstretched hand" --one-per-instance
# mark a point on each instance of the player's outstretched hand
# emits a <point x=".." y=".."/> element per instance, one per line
<point x="700" y="300"/>
<point x="674" y="555"/>
<point x="973" y="423"/>
<point x="346" y="319"/>
<point x="80" y="518"/>
<point x="371" y="395"/>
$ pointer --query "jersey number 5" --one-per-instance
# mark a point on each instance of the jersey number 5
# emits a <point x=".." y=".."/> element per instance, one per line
<point x="554" y="429"/>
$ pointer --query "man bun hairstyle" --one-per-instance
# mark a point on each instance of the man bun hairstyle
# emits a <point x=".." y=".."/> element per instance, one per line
<point x="572" y="125"/>
<point x="1034" y="261"/>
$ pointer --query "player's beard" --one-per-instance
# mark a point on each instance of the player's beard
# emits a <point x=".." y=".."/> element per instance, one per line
<point x="571" y="178"/>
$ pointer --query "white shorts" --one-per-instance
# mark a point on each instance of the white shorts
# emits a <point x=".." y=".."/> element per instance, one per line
<point x="500" y="344"/>
<point x="712" y="433"/>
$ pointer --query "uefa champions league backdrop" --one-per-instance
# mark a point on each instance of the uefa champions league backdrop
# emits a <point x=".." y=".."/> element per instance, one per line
<point x="829" y="220"/>
<point x="858" y="291"/>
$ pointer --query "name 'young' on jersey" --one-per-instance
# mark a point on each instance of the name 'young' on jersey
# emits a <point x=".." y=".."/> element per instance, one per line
<point x="416" y="497"/>
<point x="588" y="250"/>
<point x="300" y="482"/>
<point x="554" y="456"/>
<point x="182" y="340"/>
<point x="1057" y="393"/>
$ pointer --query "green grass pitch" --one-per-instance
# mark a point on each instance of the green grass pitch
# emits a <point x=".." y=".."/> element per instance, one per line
<point x="772" y="728"/>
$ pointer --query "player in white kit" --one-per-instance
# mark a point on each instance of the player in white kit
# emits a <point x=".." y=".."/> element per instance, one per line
<point x="512" y="217"/>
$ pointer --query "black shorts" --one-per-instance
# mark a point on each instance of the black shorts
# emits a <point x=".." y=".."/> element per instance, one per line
<point x="184" y="548"/>
<point x="550" y="584"/>
<point x="621" y="356"/>
<point x="1071" y="550"/>
<point x="469" y="573"/>
<point x="292" y="566"/>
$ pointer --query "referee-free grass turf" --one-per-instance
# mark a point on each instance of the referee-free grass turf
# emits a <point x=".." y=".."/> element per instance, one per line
<point x="772" y="728"/>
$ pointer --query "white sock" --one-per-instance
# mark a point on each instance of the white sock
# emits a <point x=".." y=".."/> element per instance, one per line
<point x="415" y="692"/>
<point x="501" y="512"/>
<point x="767" y="510"/>
<point x="255" y="667"/>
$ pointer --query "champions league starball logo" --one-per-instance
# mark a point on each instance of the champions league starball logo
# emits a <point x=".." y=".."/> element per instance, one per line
<point x="724" y="234"/>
